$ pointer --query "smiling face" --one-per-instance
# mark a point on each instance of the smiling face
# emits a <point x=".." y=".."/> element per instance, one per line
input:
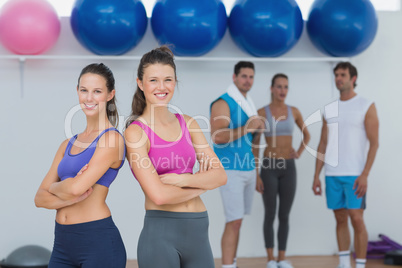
<point x="93" y="94"/>
<point x="158" y="84"/>
<point x="280" y="89"/>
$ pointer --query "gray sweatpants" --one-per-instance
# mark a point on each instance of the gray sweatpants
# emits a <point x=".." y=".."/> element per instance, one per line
<point x="175" y="240"/>
<point x="279" y="178"/>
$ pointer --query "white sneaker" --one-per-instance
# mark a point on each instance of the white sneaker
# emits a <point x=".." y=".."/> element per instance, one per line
<point x="272" y="264"/>
<point x="284" y="264"/>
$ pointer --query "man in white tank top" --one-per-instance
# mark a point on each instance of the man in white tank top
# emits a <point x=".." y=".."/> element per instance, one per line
<point x="347" y="148"/>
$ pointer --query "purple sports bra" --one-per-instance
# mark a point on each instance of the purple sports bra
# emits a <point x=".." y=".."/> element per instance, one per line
<point x="171" y="157"/>
<point x="71" y="164"/>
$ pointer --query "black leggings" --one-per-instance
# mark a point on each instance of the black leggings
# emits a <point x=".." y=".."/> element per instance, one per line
<point x="175" y="240"/>
<point x="279" y="178"/>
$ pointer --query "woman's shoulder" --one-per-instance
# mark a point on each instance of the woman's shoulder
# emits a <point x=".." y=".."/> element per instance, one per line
<point x="186" y="117"/>
<point x="111" y="138"/>
<point x="296" y="112"/>
<point x="135" y="134"/>
<point x="65" y="142"/>
<point x="261" y="111"/>
<point x="191" y="122"/>
<point x="137" y="124"/>
<point x="135" y="128"/>
<point x="293" y="108"/>
<point x="63" y="146"/>
<point x="111" y="133"/>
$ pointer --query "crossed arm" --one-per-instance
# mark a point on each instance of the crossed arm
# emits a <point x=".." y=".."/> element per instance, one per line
<point x="212" y="173"/>
<point x="220" y="121"/>
<point x="144" y="171"/>
<point x="55" y="194"/>
<point x="46" y="199"/>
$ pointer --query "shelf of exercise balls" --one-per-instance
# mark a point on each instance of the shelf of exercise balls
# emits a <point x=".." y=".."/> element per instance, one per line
<point x="23" y="58"/>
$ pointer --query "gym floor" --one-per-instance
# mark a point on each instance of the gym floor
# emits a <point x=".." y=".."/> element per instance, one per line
<point x="297" y="262"/>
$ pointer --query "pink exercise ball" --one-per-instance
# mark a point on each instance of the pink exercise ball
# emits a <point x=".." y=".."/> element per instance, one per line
<point x="28" y="27"/>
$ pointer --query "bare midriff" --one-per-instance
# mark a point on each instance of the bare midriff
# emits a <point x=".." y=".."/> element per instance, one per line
<point x="91" y="209"/>
<point x="278" y="147"/>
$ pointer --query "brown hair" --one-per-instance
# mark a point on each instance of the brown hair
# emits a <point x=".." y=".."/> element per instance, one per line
<point x="243" y="64"/>
<point x="347" y="65"/>
<point x="280" y="75"/>
<point x="105" y="72"/>
<point x="276" y="76"/>
<point x="162" y="55"/>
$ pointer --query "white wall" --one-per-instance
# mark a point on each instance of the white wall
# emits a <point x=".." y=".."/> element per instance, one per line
<point x="32" y="127"/>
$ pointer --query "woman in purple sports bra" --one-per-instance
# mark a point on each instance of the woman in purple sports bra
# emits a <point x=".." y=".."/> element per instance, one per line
<point x="162" y="148"/>
<point x="278" y="170"/>
<point x="78" y="181"/>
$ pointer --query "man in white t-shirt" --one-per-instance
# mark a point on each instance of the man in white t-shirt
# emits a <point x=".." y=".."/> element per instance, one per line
<point x="347" y="148"/>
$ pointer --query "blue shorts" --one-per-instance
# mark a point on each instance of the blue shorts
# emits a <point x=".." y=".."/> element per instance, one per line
<point x="340" y="193"/>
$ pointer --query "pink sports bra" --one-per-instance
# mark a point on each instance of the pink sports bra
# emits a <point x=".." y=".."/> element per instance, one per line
<point x="170" y="157"/>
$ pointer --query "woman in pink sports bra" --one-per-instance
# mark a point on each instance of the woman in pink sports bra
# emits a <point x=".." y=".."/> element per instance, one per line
<point x="85" y="234"/>
<point x="162" y="148"/>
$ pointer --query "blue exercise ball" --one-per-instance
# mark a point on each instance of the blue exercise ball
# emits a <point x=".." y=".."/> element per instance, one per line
<point x="342" y="28"/>
<point x="108" y="27"/>
<point x="193" y="28"/>
<point x="266" y="28"/>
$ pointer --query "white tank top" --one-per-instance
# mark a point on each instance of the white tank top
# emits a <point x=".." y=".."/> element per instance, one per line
<point x="347" y="146"/>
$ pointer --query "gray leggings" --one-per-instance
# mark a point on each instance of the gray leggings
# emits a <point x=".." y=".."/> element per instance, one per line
<point x="279" y="178"/>
<point x="175" y="240"/>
